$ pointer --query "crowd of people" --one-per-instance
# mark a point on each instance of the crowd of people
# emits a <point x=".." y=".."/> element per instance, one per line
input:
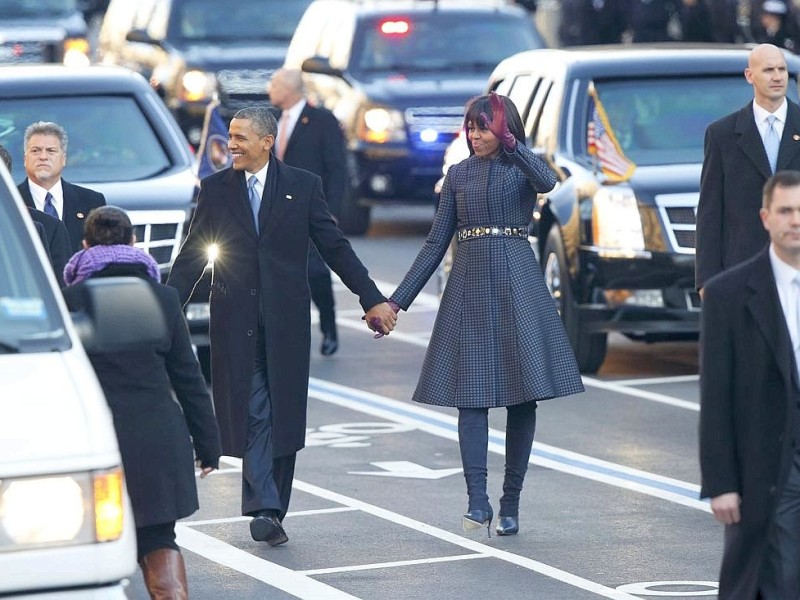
<point x="587" y="22"/>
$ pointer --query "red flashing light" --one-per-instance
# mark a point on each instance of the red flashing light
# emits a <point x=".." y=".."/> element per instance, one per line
<point x="398" y="27"/>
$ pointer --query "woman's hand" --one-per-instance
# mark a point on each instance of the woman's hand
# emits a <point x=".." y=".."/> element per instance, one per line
<point x="204" y="471"/>
<point x="499" y="124"/>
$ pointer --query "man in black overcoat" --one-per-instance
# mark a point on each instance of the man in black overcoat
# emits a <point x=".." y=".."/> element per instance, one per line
<point x="736" y="167"/>
<point x="44" y="189"/>
<point x="750" y="406"/>
<point x="310" y="138"/>
<point x="261" y="213"/>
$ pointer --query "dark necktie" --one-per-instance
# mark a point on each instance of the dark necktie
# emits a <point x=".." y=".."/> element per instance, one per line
<point x="49" y="208"/>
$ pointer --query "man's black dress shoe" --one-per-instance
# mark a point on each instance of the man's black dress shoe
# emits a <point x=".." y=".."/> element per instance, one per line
<point x="268" y="529"/>
<point x="329" y="344"/>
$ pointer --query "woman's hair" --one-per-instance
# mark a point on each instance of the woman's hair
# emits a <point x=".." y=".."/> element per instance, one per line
<point x="480" y="105"/>
<point x="108" y="226"/>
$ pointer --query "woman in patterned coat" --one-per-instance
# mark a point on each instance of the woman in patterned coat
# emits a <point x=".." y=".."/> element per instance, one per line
<point x="498" y="340"/>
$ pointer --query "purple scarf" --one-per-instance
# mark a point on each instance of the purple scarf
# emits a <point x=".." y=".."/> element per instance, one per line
<point x="87" y="262"/>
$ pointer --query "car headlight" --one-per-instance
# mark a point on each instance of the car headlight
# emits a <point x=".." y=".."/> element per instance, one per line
<point x="59" y="510"/>
<point x="76" y="52"/>
<point x="198" y="85"/>
<point x="380" y="125"/>
<point x="616" y="223"/>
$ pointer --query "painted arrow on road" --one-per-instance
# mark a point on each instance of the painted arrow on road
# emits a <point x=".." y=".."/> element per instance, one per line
<point x="404" y="468"/>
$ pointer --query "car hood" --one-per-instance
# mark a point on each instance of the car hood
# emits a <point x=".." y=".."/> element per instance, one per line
<point x="428" y="89"/>
<point x="54" y="424"/>
<point x="41" y="29"/>
<point x="171" y="191"/>
<point x="649" y="182"/>
<point x="228" y="55"/>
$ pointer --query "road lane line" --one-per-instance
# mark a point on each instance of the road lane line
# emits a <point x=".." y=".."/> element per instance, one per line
<point x="659" y="380"/>
<point x="573" y="463"/>
<point x="390" y="565"/>
<point x="274" y="575"/>
<point x="299" y="513"/>
<point x="457" y="540"/>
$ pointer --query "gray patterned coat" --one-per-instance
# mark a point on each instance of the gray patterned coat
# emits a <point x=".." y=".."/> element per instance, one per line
<point x="497" y="339"/>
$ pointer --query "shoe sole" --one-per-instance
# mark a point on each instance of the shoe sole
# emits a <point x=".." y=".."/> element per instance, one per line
<point x="470" y="525"/>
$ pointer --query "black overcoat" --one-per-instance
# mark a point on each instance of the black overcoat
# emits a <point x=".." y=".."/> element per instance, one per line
<point x="748" y="419"/>
<point x="735" y="170"/>
<point x="152" y="428"/>
<point x="264" y="273"/>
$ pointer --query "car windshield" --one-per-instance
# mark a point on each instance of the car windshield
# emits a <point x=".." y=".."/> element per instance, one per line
<point x="212" y="20"/>
<point x="109" y="138"/>
<point x="23" y="9"/>
<point x="438" y="41"/>
<point x="663" y="121"/>
<point x="29" y="317"/>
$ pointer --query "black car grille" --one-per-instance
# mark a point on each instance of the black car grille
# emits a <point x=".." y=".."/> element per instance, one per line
<point x="243" y="87"/>
<point x="159" y="238"/>
<point x="679" y="215"/>
<point x="14" y="53"/>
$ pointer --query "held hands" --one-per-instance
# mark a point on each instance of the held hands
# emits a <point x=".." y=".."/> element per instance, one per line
<point x="498" y="125"/>
<point x="382" y="318"/>
<point x="204" y="471"/>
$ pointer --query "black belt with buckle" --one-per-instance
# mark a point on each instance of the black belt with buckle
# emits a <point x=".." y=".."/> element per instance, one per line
<point x="471" y="233"/>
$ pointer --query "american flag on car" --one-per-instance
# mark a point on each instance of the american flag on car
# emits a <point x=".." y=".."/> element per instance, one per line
<point x="603" y="144"/>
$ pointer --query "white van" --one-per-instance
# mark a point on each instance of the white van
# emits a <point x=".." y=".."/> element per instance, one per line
<point x="66" y="525"/>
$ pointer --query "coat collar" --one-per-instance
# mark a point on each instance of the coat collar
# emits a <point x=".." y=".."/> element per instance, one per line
<point x="765" y="307"/>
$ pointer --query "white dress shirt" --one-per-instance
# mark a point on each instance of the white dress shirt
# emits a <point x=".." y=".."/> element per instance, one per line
<point x="789" y="294"/>
<point x="38" y="193"/>
<point x="286" y="126"/>
<point x="261" y="176"/>
<point x="761" y="115"/>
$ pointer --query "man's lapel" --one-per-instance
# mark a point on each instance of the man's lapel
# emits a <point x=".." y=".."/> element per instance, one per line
<point x="750" y="140"/>
<point x="279" y="185"/>
<point x="790" y="140"/>
<point x="239" y="203"/>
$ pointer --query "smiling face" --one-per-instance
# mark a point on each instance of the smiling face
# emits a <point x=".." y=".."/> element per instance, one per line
<point x="483" y="141"/>
<point x="45" y="159"/>
<point x="249" y="150"/>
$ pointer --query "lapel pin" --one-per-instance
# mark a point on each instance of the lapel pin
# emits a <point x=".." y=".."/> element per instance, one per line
<point x="288" y="196"/>
<point x="304" y="120"/>
<point x="80" y="215"/>
<point x="796" y="137"/>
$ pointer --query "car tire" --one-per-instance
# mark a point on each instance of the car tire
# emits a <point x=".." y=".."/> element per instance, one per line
<point x="590" y="349"/>
<point x="354" y="217"/>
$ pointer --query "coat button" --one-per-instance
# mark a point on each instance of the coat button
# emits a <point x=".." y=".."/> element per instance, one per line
<point x="253" y="292"/>
<point x="249" y="333"/>
<point x="772" y="490"/>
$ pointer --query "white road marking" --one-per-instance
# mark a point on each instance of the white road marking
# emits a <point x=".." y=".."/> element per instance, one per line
<point x="405" y="468"/>
<point x="299" y="513"/>
<point x="573" y="463"/>
<point x="389" y="565"/>
<point x="659" y="380"/>
<point x="652" y="396"/>
<point x="274" y="575"/>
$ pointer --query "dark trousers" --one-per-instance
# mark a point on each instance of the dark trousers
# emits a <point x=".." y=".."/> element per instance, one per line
<point x="266" y="479"/>
<point x="321" y="286"/>
<point x="780" y="575"/>
<point x="155" y="537"/>
<point x="473" y="440"/>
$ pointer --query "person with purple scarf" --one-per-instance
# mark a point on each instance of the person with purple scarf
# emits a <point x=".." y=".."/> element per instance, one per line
<point x="156" y="434"/>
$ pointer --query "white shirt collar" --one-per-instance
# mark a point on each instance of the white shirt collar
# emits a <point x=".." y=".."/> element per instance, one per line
<point x="38" y="194"/>
<point x="261" y="175"/>
<point x="784" y="272"/>
<point x="761" y="113"/>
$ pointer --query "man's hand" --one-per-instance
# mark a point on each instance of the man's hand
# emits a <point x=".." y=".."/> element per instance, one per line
<point x="381" y="318"/>
<point x="726" y="508"/>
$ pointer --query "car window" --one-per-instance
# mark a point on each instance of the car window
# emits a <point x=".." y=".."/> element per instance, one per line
<point x="663" y="121"/>
<point x="29" y="317"/>
<point x="10" y="9"/>
<point x="212" y="20"/>
<point x="521" y="93"/>
<point x="109" y="139"/>
<point x="437" y="41"/>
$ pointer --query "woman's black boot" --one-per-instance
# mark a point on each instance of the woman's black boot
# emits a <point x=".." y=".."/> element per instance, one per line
<point x="473" y="439"/>
<point x="520" y="428"/>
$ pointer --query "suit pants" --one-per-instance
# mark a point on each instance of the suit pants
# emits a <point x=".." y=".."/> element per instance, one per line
<point x="321" y="286"/>
<point x="780" y="574"/>
<point x="266" y="479"/>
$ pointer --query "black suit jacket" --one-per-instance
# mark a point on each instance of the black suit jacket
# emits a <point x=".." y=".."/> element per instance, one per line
<point x="55" y="241"/>
<point x="260" y="281"/>
<point x="78" y="201"/>
<point x="735" y="170"/>
<point x="748" y="416"/>
<point x="317" y="145"/>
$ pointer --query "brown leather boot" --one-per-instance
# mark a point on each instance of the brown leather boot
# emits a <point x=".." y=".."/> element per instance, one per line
<point x="165" y="575"/>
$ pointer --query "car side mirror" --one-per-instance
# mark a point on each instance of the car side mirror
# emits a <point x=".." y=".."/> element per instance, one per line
<point x="117" y="314"/>
<point x="320" y="65"/>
